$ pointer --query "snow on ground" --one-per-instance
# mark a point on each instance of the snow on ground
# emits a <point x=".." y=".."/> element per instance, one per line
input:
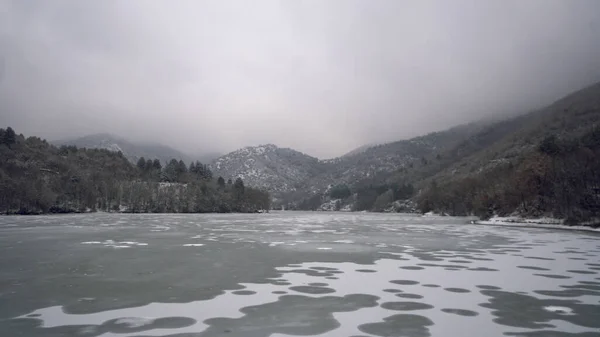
<point x="551" y="223"/>
<point x="431" y="214"/>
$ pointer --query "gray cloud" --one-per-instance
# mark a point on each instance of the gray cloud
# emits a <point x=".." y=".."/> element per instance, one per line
<point x="322" y="77"/>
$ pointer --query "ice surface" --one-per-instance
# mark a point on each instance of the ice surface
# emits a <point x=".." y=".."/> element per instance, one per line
<point x="459" y="276"/>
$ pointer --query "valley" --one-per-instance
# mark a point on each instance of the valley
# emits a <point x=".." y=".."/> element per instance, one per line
<point x="541" y="163"/>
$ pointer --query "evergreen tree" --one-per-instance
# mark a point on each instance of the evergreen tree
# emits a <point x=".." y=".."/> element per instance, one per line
<point x="199" y="170"/>
<point x="208" y="173"/>
<point x="181" y="167"/>
<point x="141" y="164"/>
<point x="148" y="166"/>
<point x="156" y="165"/>
<point x="221" y="182"/>
<point x="171" y="170"/>
<point x="239" y="185"/>
<point x="10" y="137"/>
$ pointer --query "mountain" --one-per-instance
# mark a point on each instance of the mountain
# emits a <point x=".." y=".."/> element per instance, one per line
<point x="486" y="167"/>
<point x="131" y="150"/>
<point x="268" y="166"/>
<point x="512" y="139"/>
<point x="292" y="176"/>
<point x="384" y="159"/>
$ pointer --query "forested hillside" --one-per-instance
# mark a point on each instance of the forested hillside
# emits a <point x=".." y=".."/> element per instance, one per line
<point x="299" y="181"/>
<point x="543" y="163"/>
<point x="547" y="163"/>
<point x="37" y="177"/>
<point x="380" y="175"/>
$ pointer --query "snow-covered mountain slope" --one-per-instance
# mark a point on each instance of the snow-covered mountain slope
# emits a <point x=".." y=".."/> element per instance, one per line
<point x="286" y="170"/>
<point x="269" y="167"/>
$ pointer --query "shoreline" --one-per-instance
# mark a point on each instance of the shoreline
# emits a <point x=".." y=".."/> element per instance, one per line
<point x="117" y="212"/>
<point x="534" y="223"/>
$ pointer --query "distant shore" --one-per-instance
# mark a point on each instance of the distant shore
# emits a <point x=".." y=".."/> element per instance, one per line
<point x="547" y="223"/>
<point x="122" y="212"/>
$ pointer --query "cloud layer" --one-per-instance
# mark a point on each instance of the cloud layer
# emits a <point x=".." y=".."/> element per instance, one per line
<point x="322" y="77"/>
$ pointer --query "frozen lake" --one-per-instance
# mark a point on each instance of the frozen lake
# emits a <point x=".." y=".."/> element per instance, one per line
<point x="293" y="273"/>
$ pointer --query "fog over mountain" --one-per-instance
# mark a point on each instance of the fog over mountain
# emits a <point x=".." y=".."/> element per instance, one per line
<point x="322" y="77"/>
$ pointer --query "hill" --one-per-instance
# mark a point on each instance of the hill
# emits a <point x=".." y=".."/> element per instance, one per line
<point x="294" y="177"/>
<point x="133" y="151"/>
<point x="268" y="167"/>
<point x="37" y="177"/>
<point x="546" y="162"/>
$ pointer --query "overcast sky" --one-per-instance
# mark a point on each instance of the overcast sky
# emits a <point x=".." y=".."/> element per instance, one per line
<point x="322" y="77"/>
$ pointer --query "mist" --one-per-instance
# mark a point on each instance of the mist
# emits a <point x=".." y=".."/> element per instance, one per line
<point x="322" y="77"/>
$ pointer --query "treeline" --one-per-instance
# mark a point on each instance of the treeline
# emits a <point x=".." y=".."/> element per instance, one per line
<point x="362" y="197"/>
<point x="37" y="177"/>
<point x="174" y="171"/>
<point x="379" y="197"/>
<point x="561" y="178"/>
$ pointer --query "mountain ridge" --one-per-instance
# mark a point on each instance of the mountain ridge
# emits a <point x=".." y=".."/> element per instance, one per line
<point x="363" y="162"/>
<point x="132" y="150"/>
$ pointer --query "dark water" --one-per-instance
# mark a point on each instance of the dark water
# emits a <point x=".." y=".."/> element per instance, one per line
<point x="292" y="273"/>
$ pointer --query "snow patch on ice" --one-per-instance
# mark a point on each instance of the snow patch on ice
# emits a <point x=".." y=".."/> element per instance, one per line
<point x="115" y="244"/>
<point x="559" y="310"/>
<point x="134" y="322"/>
<point x="343" y="241"/>
<point x="133" y="243"/>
